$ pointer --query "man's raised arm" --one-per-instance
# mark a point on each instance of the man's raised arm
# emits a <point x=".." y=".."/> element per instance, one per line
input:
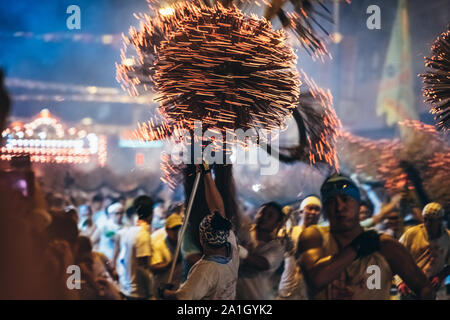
<point x="213" y="197"/>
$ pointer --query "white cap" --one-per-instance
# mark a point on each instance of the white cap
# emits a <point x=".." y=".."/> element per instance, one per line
<point x="115" y="207"/>
<point x="311" y="200"/>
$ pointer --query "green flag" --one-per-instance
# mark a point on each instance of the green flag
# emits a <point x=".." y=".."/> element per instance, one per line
<point x="395" y="96"/>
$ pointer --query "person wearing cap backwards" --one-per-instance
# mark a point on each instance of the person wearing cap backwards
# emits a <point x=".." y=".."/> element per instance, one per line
<point x="346" y="262"/>
<point x="429" y="244"/>
<point x="214" y="276"/>
<point x="164" y="242"/>
<point x="291" y="285"/>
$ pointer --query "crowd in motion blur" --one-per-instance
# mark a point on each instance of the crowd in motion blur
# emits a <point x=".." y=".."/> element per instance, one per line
<point x="124" y="248"/>
<point x="70" y="244"/>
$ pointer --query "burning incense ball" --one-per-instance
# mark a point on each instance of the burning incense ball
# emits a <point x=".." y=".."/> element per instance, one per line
<point x="218" y="66"/>
<point x="437" y="80"/>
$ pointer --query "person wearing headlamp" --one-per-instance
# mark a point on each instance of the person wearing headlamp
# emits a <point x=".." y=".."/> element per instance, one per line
<point x="346" y="262"/>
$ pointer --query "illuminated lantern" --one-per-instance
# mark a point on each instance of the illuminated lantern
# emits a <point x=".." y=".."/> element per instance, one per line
<point x="47" y="141"/>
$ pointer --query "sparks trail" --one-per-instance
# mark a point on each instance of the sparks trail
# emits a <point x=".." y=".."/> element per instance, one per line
<point x="425" y="151"/>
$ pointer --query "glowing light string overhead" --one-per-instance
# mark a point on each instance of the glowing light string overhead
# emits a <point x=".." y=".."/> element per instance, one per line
<point x="88" y="38"/>
<point x="45" y="91"/>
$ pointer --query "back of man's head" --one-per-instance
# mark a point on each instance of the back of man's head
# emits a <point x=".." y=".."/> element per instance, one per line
<point x="63" y="227"/>
<point x="214" y="230"/>
<point x="98" y="198"/>
<point x="143" y="205"/>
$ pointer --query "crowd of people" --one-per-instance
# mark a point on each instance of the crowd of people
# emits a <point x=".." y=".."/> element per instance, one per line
<point x="333" y="246"/>
<point x="323" y="249"/>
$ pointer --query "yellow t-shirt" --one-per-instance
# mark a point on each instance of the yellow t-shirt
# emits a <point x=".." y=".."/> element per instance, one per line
<point x="160" y="252"/>
<point x="430" y="255"/>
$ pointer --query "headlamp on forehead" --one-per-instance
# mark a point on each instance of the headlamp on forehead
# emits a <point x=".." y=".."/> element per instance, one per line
<point x="339" y="185"/>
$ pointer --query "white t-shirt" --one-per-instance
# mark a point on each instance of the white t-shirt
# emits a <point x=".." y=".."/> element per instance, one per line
<point x="135" y="242"/>
<point x="211" y="280"/>
<point x="98" y="216"/>
<point x="292" y="284"/>
<point x="255" y="284"/>
<point x="108" y="231"/>
<point x="289" y="278"/>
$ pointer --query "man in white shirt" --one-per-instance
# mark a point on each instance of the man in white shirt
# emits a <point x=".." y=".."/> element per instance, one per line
<point x="214" y="276"/>
<point x="133" y="251"/>
<point x="265" y="255"/>
<point x="108" y="227"/>
<point x="292" y="285"/>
